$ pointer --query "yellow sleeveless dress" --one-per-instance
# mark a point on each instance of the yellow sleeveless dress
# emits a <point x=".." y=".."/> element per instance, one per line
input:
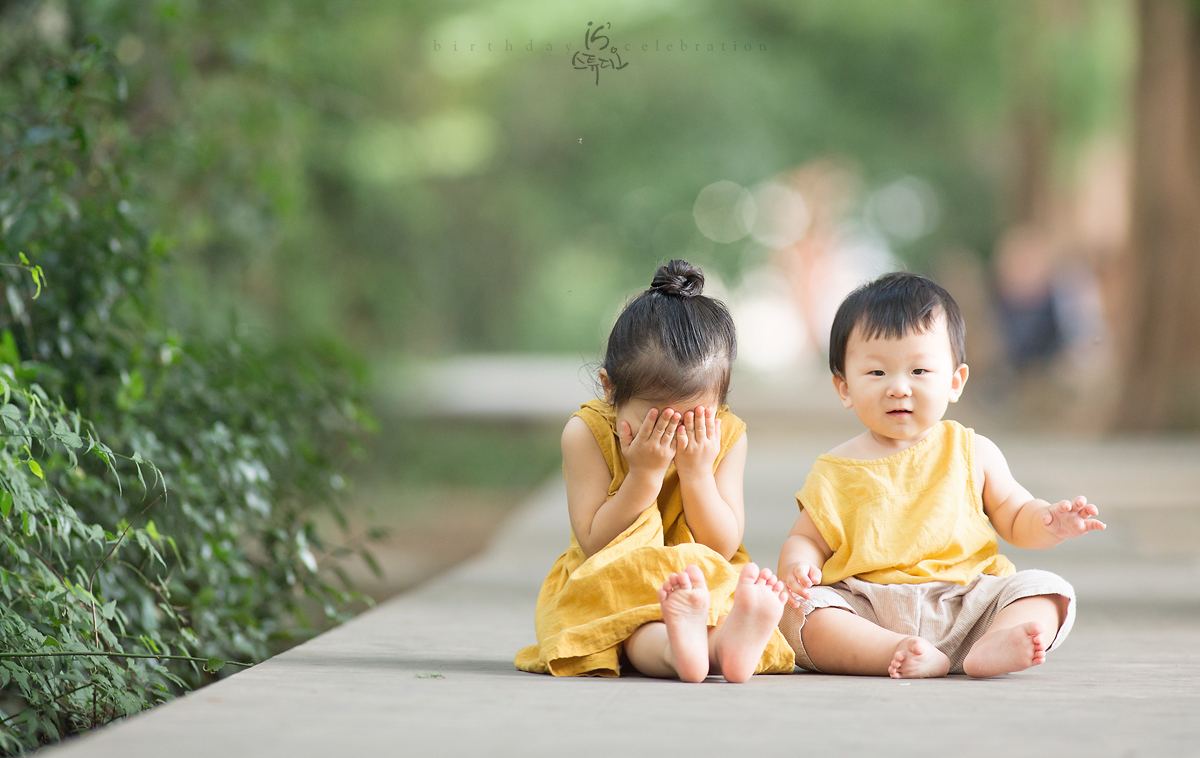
<point x="915" y="516"/>
<point x="588" y="607"/>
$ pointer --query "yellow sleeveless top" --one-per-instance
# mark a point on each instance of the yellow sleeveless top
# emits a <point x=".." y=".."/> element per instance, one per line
<point x="915" y="516"/>
<point x="588" y="607"/>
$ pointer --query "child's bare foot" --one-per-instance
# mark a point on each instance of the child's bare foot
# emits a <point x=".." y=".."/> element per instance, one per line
<point x="917" y="659"/>
<point x="684" y="601"/>
<point x="1006" y="650"/>
<point x="757" y="606"/>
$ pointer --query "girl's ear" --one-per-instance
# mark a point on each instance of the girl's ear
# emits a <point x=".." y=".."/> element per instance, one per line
<point x="606" y="384"/>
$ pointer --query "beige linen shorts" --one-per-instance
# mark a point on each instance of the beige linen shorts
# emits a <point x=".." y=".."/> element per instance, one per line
<point x="951" y="616"/>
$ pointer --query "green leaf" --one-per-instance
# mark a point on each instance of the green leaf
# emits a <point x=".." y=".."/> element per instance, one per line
<point x="63" y="434"/>
<point x="372" y="564"/>
<point x="6" y="503"/>
<point x="39" y="278"/>
<point x="213" y="665"/>
<point x="9" y="354"/>
<point x="36" y="468"/>
<point x="175" y="548"/>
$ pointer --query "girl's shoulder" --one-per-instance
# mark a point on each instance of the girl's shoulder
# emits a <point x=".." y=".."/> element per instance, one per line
<point x="599" y="416"/>
<point x="600" y="420"/>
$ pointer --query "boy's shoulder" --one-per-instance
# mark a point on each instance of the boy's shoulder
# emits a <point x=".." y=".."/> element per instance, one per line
<point x="855" y="448"/>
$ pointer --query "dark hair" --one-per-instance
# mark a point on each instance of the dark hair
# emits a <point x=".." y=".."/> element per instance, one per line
<point x="890" y="307"/>
<point x="671" y="342"/>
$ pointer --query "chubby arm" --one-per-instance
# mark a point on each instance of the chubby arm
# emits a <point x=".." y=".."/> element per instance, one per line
<point x="712" y="500"/>
<point x="597" y="518"/>
<point x="1020" y="518"/>
<point x="802" y="558"/>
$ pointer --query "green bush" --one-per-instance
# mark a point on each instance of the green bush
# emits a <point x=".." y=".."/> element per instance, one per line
<point x="247" y="433"/>
<point x="72" y="656"/>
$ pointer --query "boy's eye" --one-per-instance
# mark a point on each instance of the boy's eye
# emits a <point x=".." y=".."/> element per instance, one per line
<point x="876" y="372"/>
<point x="919" y="371"/>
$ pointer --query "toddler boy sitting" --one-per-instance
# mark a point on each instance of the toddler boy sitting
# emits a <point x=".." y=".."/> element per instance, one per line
<point x="893" y="563"/>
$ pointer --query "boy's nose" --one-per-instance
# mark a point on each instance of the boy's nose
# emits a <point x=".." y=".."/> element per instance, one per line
<point x="899" y="389"/>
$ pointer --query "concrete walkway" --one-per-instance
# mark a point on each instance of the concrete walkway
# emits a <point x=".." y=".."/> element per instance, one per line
<point x="430" y="672"/>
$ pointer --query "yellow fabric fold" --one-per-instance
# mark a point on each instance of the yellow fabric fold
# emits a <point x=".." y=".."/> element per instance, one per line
<point x="588" y="607"/>
<point x="912" y="517"/>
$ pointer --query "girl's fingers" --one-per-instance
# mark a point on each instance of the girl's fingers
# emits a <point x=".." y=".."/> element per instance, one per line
<point x="710" y="423"/>
<point x="664" y="420"/>
<point x="648" y="424"/>
<point x="660" y="426"/>
<point x="626" y="435"/>
<point x="671" y="430"/>
<point x="701" y="431"/>
<point x="689" y="423"/>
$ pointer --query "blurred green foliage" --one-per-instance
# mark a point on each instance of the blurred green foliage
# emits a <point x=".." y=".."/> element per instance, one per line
<point x="470" y="452"/>
<point x="320" y="167"/>
<point x="248" y="431"/>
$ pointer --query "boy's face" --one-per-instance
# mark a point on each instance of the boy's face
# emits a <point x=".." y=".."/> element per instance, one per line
<point x="900" y="388"/>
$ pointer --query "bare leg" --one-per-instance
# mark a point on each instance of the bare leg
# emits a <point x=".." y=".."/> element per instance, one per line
<point x="678" y="646"/>
<point x="737" y="643"/>
<point x="647" y="650"/>
<point x="839" y="642"/>
<point x="1018" y="637"/>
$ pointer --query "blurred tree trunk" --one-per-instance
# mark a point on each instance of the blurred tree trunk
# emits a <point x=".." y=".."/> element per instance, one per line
<point x="1161" y="388"/>
<point x="1033" y="127"/>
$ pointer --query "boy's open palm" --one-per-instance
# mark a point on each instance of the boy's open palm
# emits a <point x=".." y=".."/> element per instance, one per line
<point x="1071" y="518"/>
<point x="697" y="441"/>
<point x="653" y="447"/>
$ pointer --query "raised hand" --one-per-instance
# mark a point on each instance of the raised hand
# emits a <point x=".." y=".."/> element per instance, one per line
<point x="1071" y="518"/>
<point x="798" y="579"/>
<point x="697" y="441"/>
<point x="653" y="447"/>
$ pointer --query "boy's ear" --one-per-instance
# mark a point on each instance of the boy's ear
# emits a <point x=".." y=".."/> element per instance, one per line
<point x="843" y="391"/>
<point x="957" y="382"/>
<point x="606" y="384"/>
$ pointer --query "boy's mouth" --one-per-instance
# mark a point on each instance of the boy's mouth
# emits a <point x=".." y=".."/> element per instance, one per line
<point x="899" y="411"/>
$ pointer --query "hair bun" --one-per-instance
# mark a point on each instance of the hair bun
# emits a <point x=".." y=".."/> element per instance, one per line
<point x="678" y="278"/>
